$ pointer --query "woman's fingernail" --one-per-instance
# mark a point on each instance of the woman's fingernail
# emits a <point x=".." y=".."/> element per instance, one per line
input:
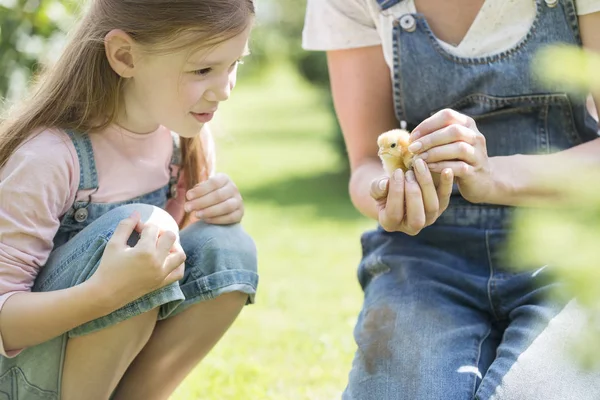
<point x="187" y="207"/>
<point x="414" y="147"/>
<point x="421" y="167"/>
<point x="382" y="184"/>
<point x="423" y="156"/>
<point x="398" y="175"/>
<point x="410" y="176"/>
<point x="414" y="135"/>
<point x="199" y="214"/>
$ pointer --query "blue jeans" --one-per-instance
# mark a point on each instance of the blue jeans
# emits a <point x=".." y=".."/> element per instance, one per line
<point x="445" y="318"/>
<point x="220" y="259"/>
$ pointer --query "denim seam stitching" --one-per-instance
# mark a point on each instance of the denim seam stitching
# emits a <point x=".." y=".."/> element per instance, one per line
<point x="30" y="387"/>
<point x="489" y="285"/>
<point x="90" y="163"/>
<point x="78" y="151"/>
<point x="541" y="99"/>
<point x="474" y="391"/>
<point x="398" y="98"/>
<point x="570" y="13"/>
<point x="201" y="283"/>
<point x="544" y="133"/>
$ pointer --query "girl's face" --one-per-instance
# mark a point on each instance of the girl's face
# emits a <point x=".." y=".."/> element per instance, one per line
<point x="181" y="91"/>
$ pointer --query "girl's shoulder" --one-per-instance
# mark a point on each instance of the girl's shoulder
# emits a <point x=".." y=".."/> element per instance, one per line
<point x="47" y="145"/>
<point x="44" y="166"/>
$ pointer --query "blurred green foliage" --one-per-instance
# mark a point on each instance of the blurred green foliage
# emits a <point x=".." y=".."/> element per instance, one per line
<point x="563" y="235"/>
<point x="563" y="232"/>
<point x="30" y="31"/>
<point x="277" y="38"/>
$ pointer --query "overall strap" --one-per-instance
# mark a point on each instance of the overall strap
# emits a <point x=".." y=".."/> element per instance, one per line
<point x="88" y="175"/>
<point x="176" y="159"/>
<point x="385" y="4"/>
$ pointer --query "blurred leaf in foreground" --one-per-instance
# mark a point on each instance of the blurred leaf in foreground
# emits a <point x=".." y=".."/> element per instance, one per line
<point x="569" y="68"/>
<point x="566" y="238"/>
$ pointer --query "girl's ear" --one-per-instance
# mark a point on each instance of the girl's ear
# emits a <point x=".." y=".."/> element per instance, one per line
<point x="120" y="51"/>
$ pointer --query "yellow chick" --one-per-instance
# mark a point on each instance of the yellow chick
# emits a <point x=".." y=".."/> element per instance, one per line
<point x="393" y="150"/>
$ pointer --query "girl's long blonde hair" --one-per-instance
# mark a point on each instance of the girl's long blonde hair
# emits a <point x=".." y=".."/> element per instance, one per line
<point x="81" y="92"/>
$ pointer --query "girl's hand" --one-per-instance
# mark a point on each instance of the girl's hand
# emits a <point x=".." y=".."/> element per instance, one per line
<point x="156" y="260"/>
<point x="409" y="202"/>
<point x="449" y="139"/>
<point x="216" y="201"/>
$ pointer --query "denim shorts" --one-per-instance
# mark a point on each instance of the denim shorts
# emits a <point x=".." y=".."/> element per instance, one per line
<point x="220" y="259"/>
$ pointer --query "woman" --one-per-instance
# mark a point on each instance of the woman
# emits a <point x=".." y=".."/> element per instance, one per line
<point x="445" y="316"/>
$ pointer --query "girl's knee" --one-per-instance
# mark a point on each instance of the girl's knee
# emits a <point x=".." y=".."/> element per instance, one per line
<point x="225" y="244"/>
<point x="149" y="214"/>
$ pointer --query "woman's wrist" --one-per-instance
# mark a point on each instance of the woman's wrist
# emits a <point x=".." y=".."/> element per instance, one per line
<point x="521" y="180"/>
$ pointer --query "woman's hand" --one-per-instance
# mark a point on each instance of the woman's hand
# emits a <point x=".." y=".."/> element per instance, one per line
<point x="409" y="202"/>
<point x="449" y="139"/>
<point x="216" y="201"/>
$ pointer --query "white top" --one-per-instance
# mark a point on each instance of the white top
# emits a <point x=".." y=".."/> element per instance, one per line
<point x="345" y="24"/>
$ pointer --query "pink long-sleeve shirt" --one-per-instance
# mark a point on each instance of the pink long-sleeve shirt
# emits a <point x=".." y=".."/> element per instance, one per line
<point x="39" y="184"/>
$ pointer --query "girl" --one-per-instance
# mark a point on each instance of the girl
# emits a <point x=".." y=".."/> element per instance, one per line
<point x="444" y="316"/>
<point x="101" y="293"/>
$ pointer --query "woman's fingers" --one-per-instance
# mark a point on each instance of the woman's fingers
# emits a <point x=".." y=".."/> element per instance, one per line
<point x="445" y="189"/>
<point x="440" y="120"/>
<point x="449" y="134"/>
<point x="430" y="195"/>
<point x="460" y="169"/>
<point x="415" y="210"/>
<point x="379" y="188"/>
<point x="393" y="213"/>
<point x="453" y="151"/>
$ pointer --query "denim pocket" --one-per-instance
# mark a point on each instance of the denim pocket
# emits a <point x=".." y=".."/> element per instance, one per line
<point x="15" y="382"/>
<point x="530" y="124"/>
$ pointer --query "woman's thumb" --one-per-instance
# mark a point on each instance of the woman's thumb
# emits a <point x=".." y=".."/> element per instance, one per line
<point x="379" y="188"/>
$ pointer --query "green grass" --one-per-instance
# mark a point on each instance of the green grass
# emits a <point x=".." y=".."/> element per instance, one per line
<point x="274" y="140"/>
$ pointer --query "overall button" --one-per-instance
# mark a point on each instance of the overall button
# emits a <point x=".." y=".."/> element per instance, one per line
<point x="551" y="3"/>
<point x="408" y="23"/>
<point x="81" y="214"/>
<point x="173" y="191"/>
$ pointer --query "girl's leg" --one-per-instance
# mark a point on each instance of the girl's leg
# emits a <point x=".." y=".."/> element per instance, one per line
<point x="95" y="363"/>
<point x="177" y="345"/>
<point x="91" y="358"/>
<point x="220" y="278"/>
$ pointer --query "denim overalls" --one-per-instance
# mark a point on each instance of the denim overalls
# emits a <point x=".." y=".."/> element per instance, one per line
<point x="444" y="316"/>
<point x="220" y="259"/>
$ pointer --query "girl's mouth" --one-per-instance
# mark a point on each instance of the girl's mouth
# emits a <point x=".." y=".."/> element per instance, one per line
<point x="203" y="117"/>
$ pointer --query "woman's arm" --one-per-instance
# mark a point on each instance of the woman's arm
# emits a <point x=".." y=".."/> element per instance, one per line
<point x="363" y="97"/>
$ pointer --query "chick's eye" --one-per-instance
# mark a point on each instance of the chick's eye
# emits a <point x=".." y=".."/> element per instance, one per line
<point x="393" y="145"/>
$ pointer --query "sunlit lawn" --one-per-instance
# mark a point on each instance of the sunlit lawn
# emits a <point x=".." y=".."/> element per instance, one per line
<point x="273" y="139"/>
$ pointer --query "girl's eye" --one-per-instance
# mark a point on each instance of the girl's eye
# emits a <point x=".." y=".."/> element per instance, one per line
<point x="203" y="71"/>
